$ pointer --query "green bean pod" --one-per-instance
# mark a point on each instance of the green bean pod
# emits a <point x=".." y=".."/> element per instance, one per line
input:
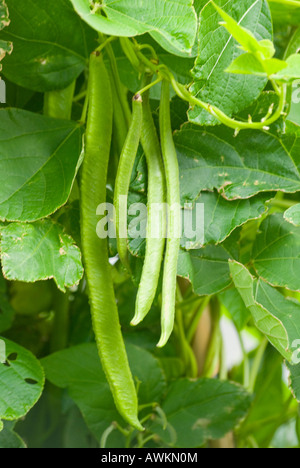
<point x="104" y="311"/>
<point x="122" y="184"/>
<point x="58" y="104"/>
<point x="174" y="217"/>
<point x="156" y="200"/>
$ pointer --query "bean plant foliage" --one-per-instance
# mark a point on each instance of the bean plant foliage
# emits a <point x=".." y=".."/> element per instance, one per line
<point x="118" y="341"/>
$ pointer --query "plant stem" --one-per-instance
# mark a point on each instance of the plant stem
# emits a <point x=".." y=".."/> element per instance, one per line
<point x="149" y="86"/>
<point x="59" y="336"/>
<point x="184" y="94"/>
<point x="246" y="380"/>
<point x="106" y="434"/>
<point x="195" y="321"/>
<point x="118" y="85"/>
<point x="257" y="363"/>
<point x="223" y="374"/>
<point x="285" y="204"/>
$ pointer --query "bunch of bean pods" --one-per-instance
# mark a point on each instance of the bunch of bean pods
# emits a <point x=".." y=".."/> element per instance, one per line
<point x="163" y="189"/>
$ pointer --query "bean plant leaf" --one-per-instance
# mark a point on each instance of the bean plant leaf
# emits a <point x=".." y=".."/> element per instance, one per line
<point x="249" y="64"/>
<point x="294" y="378"/>
<point x="40" y="251"/>
<point x="6" y="47"/>
<point x="235" y="306"/>
<point x="9" y="438"/>
<point x="22" y="382"/>
<point x="207" y="269"/>
<point x="244" y="37"/>
<point x="210" y="220"/>
<point x="291" y="141"/>
<point x="200" y="410"/>
<point x="258" y="110"/>
<point x="172" y="25"/>
<point x="294" y="44"/>
<point x="292" y="215"/>
<point x="231" y="93"/>
<point x="79" y="366"/>
<point x="285" y="11"/>
<point x="274" y="315"/>
<point x="269" y="398"/>
<point x="276" y="253"/>
<point x="221" y="217"/>
<point x="291" y="72"/>
<point x="51" y="45"/>
<point x="38" y="164"/>
<point x="238" y="167"/>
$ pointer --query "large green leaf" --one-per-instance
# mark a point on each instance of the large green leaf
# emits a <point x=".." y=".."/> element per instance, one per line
<point x="209" y="221"/>
<point x="285" y="11"/>
<point x="38" y="164"/>
<point x="235" y="306"/>
<point x="231" y="93"/>
<point x="39" y="251"/>
<point x="239" y="167"/>
<point x="78" y="369"/>
<point x="21" y="382"/>
<point x="274" y="315"/>
<point x="172" y="24"/>
<point x="221" y="217"/>
<point x="201" y="410"/>
<point x="276" y="253"/>
<point x="268" y="400"/>
<point x="51" y="44"/>
<point x="207" y="268"/>
<point x="291" y="141"/>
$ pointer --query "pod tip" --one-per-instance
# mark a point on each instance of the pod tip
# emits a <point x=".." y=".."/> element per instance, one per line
<point x="163" y="340"/>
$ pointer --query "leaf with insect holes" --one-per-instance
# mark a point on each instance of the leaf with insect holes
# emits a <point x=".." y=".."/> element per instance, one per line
<point x="292" y="215"/>
<point x="21" y="382"/>
<point x="220" y="217"/>
<point x="6" y="47"/>
<point x="238" y="167"/>
<point x="40" y="251"/>
<point x="172" y="24"/>
<point x="51" y="45"/>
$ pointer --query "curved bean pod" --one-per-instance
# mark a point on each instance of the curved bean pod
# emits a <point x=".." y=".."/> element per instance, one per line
<point x="93" y="192"/>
